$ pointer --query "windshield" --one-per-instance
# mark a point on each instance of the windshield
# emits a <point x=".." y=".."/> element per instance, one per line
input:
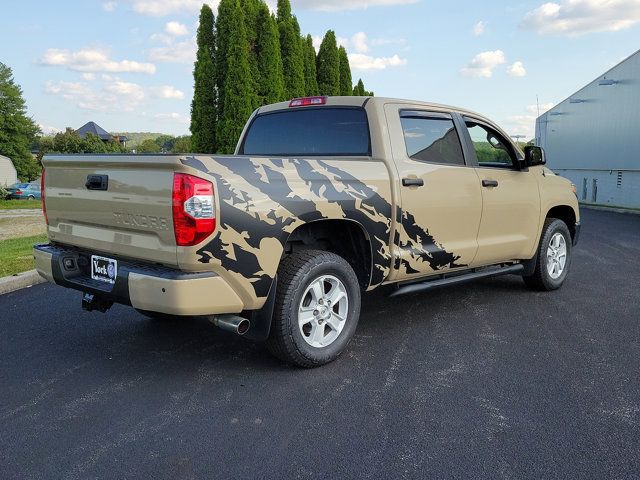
<point x="313" y="131"/>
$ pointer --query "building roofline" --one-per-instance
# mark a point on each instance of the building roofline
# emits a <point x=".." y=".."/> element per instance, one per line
<point x="588" y="84"/>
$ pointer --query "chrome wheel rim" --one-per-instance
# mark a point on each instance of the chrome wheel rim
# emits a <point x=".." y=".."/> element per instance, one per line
<point x="323" y="311"/>
<point x="556" y="255"/>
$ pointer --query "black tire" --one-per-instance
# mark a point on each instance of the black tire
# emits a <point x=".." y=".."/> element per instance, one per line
<point x="541" y="279"/>
<point x="295" y="275"/>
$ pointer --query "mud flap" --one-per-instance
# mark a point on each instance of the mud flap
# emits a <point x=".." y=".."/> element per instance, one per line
<point x="261" y="319"/>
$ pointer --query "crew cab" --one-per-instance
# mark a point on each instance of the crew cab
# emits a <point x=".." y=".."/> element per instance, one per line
<point x="324" y="198"/>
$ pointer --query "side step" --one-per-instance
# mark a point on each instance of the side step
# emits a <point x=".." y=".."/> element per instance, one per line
<point x="453" y="279"/>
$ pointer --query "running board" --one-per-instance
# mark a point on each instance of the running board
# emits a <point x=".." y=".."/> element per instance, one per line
<point x="455" y="279"/>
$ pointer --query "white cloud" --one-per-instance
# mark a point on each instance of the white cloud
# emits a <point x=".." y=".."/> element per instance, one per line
<point x="333" y="5"/>
<point x="114" y="96"/>
<point x="109" y="6"/>
<point x="93" y="60"/>
<point x="478" y="28"/>
<point x="174" y="117"/>
<point x="176" y="29"/>
<point x="48" y="129"/>
<point x="167" y="91"/>
<point x="578" y="17"/>
<point x="543" y="107"/>
<point x="160" y="8"/>
<point x="173" y="51"/>
<point x="516" y="70"/>
<point x="359" y="42"/>
<point x="483" y="64"/>
<point x="360" y="61"/>
<point x="89" y="76"/>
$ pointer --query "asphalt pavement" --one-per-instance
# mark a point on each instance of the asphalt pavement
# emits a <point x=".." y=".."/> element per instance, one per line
<point x="483" y="380"/>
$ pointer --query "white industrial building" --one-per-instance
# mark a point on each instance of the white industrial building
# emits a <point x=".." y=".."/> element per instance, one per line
<point x="8" y="175"/>
<point x="593" y="137"/>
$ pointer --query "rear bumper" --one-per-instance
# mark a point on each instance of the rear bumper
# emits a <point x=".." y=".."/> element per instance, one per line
<point x="144" y="286"/>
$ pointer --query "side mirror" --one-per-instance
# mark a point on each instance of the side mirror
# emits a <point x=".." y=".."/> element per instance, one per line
<point x="534" y="156"/>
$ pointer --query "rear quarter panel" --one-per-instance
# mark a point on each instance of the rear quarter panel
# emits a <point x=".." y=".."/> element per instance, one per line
<point x="261" y="201"/>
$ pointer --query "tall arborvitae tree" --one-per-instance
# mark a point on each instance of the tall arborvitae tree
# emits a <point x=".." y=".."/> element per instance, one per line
<point x="250" y="10"/>
<point x="236" y="103"/>
<point x="328" y="65"/>
<point x="291" y="51"/>
<point x="345" y="73"/>
<point x="309" y="53"/>
<point x="359" y="90"/>
<point x="204" y="104"/>
<point x="223" y="35"/>
<point x="271" y="84"/>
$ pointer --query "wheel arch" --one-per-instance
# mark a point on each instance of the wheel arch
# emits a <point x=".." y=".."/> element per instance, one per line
<point x="345" y="237"/>
<point x="565" y="213"/>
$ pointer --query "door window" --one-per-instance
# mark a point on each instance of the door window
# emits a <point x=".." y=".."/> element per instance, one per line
<point x="433" y="140"/>
<point x="492" y="149"/>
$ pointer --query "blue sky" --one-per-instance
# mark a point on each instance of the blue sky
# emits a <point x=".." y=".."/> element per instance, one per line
<point x="127" y="64"/>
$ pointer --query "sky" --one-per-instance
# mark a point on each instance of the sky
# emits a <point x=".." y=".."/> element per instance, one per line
<point x="127" y="64"/>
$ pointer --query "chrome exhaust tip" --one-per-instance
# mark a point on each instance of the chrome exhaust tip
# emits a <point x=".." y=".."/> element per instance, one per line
<point x="231" y="323"/>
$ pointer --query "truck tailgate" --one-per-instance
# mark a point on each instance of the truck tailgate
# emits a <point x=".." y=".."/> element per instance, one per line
<point x="131" y="217"/>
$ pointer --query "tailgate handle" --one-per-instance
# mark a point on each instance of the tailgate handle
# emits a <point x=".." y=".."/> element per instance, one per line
<point x="97" y="182"/>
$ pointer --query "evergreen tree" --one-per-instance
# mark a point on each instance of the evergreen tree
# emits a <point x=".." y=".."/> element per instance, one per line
<point x="291" y="51"/>
<point x="236" y="103"/>
<point x="271" y="84"/>
<point x="328" y="66"/>
<point x="359" y="90"/>
<point x="345" y="73"/>
<point x="309" y="53"/>
<point x="251" y="10"/>
<point x="17" y="130"/>
<point x="204" y="104"/>
<point x="223" y="34"/>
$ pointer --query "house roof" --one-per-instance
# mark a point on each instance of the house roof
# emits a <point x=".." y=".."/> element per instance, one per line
<point x="92" y="127"/>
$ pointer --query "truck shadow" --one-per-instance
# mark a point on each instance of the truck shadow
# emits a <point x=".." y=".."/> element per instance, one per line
<point x="189" y="343"/>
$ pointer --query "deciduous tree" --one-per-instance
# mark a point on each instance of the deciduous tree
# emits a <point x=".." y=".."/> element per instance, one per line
<point x="17" y="130"/>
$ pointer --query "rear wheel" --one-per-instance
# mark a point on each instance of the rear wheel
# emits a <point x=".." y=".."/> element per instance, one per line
<point x="553" y="256"/>
<point x="317" y="308"/>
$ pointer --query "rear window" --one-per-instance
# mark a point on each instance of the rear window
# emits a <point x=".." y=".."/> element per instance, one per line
<point x="311" y="131"/>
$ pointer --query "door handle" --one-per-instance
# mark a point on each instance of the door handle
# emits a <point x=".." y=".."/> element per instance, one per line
<point x="97" y="182"/>
<point x="489" y="183"/>
<point x="412" y="182"/>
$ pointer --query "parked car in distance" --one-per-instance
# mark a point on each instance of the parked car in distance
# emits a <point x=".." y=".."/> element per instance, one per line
<point x="24" y="191"/>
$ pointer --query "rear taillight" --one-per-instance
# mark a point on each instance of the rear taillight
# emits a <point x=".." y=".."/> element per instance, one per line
<point x="44" y="207"/>
<point x="194" y="217"/>
<point x="18" y="192"/>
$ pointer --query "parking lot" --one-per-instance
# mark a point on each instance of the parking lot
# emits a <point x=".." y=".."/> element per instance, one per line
<point x="483" y="380"/>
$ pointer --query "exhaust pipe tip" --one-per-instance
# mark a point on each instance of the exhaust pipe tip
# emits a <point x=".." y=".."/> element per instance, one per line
<point x="232" y="323"/>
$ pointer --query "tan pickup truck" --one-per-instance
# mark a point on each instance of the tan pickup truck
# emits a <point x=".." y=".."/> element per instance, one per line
<point x="324" y="198"/>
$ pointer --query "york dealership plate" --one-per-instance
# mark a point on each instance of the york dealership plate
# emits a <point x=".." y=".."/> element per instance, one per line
<point x="104" y="269"/>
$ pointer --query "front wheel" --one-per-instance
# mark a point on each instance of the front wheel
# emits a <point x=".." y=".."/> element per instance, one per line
<point x="553" y="257"/>
<point x="317" y="308"/>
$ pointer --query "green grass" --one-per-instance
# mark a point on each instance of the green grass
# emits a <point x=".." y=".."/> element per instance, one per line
<point x="19" y="204"/>
<point x="16" y="254"/>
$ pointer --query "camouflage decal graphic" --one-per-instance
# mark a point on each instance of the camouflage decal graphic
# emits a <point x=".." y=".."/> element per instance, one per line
<point x="263" y="200"/>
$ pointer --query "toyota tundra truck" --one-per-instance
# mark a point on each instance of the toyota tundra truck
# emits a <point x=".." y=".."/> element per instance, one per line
<point x="324" y="198"/>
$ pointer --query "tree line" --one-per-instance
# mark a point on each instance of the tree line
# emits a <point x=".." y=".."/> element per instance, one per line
<point x="248" y="57"/>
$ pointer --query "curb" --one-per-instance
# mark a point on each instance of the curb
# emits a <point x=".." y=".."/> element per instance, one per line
<point x="604" y="208"/>
<point x="19" y="281"/>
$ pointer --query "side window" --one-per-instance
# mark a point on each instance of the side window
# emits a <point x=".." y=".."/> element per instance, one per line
<point x="432" y="140"/>
<point x="491" y="148"/>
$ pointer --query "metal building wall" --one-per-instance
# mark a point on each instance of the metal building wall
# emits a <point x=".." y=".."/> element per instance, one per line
<point x="593" y="137"/>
